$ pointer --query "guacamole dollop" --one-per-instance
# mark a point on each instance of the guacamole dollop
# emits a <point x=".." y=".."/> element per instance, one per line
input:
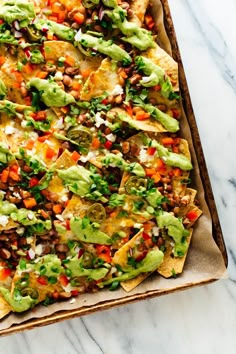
<point x="17" y="10"/>
<point x="51" y="93"/>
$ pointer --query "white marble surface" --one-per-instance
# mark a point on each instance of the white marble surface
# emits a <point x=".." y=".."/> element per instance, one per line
<point x="200" y="320"/>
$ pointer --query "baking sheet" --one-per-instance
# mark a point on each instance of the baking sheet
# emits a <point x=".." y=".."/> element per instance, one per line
<point x="204" y="261"/>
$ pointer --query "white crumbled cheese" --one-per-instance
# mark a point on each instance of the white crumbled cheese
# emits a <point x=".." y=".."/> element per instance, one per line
<point x="9" y="129"/>
<point x="68" y="288"/>
<point x="60" y="217"/>
<point x="31" y="254"/>
<point x="58" y="76"/>
<point x="118" y="90"/>
<point x="39" y="250"/>
<point x="91" y="155"/>
<point x="72" y="301"/>
<point x="17" y="195"/>
<point x="64" y="198"/>
<point x="138" y="226"/>
<point x="11" y="189"/>
<point x="24" y="123"/>
<point x="99" y="120"/>
<point x="155" y="231"/>
<point x="146" y="79"/>
<point x="33" y="135"/>
<point x="144" y="157"/>
<point x="78" y="35"/>
<point x="30" y="215"/>
<point x="59" y="124"/>
<point x="4" y="220"/>
<point x="78" y="77"/>
<point x="49" y="143"/>
<point x="111" y="137"/>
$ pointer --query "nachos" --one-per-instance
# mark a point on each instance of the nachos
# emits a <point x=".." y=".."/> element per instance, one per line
<point x="94" y="173"/>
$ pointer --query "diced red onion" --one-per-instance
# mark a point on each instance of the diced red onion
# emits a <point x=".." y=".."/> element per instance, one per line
<point x="101" y="13"/>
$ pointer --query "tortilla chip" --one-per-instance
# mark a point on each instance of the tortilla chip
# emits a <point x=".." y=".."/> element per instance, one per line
<point x="76" y="207"/>
<point x="189" y="197"/>
<point x="139" y="8"/>
<point x="5" y="308"/>
<point x="43" y="290"/>
<point x="164" y="60"/>
<point x="101" y="81"/>
<point x="189" y="223"/>
<point x="56" y="185"/>
<point x="172" y="265"/>
<point x="129" y="285"/>
<point x="121" y="256"/>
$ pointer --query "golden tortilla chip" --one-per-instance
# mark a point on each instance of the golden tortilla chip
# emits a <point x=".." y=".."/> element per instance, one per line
<point x="56" y="185"/>
<point x="5" y="308"/>
<point x="190" y="221"/>
<point x="172" y="265"/>
<point x="131" y="284"/>
<point x="121" y="256"/>
<point x="188" y="199"/>
<point x="139" y="8"/>
<point x="164" y="60"/>
<point x="103" y="80"/>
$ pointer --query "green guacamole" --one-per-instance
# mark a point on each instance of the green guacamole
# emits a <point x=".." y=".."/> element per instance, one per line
<point x="171" y="124"/>
<point x="5" y="154"/>
<point x="51" y="94"/>
<point x="86" y="231"/>
<point x="176" y="230"/>
<point x="157" y="75"/>
<point x="17" y="302"/>
<point x="3" y="90"/>
<point x="75" y="265"/>
<point x="171" y="158"/>
<point x="136" y="36"/>
<point x="117" y="161"/>
<point x="17" y="10"/>
<point x="105" y="47"/>
<point x="62" y="32"/>
<point x="151" y="262"/>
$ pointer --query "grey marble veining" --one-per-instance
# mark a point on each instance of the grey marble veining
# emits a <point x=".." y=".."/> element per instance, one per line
<point x="200" y="320"/>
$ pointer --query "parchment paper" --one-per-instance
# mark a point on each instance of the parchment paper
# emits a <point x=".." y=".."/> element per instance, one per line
<point x="204" y="261"/>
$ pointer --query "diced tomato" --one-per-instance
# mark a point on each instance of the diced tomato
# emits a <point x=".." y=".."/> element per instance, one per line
<point x="168" y="141"/>
<point x="141" y="256"/>
<point x="68" y="224"/>
<point x="63" y="280"/>
<point x="150" y="172"/>
<point x="96" y="143"/>
<point x="40" y="116"/>
<point x="42" y="280"/>
<point x="4" y="273"/>
<point x="79" y="18"/>
<point x="129" y="110"/>
<point x="176" y="113"/>
<point x="192" y="215"/>
<point x="105" y="101"/>
<point x="75" y="156"/>
<point x="146" y="236"/>
<point x="108" y="145"/>
<point x="50" y="153"/>
<point x="104" y="252"/>
<point x="74" y="292"/>
<point x="33" y="182"/>
<point x="44" y="137"/>
<point x="157" y="88"/>
<point x="151" y="151"/>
